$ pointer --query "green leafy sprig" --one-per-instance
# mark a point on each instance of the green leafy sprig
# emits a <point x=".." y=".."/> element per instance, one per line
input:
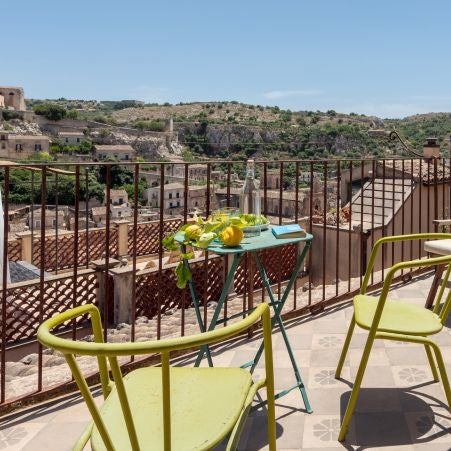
<point x="207" y="231"/>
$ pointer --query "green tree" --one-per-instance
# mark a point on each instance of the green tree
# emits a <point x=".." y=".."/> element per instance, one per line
<point x="51" y="111"/>
<point x="120" y="175"/>
<point x="72" y="114"/>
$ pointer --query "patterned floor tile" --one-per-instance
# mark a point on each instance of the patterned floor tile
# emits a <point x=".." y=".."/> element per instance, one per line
<point x="326" y="357"/>
<point x="378" y="357"/>
<point x="324" y="377"/>
<point x="301" y="356"/>
<point x="297" y="341"/>
<point x="427" y="427"/>
<point x="411" y="354"/>
<point x="399" y="407"/>
<point x="380" y="429"/>
<point x="321" y="431"/>
<point x="328" y="341"/>
<point x="17" y="437"/>
<point x="412" y="375"/>
<point x="375" y="376"/>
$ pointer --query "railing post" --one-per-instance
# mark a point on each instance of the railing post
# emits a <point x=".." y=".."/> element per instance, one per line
<point x="122" y="237"/>
<point x="123" y="283"/>
<point x="26" y="253"/>
<point x="99" y="266"/>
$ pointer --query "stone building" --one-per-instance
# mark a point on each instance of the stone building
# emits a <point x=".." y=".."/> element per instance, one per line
<point x="195" y="171"/>
<point x="174" y="198"/>
<point x="275" y="207"/>
<point x="19" y="146"/>
<point x="119" y="208"/>
<point x="53" y="218"/>
<point x="98" y="215"/>
<point x="119" y="205"/>
<point x="71" y="137"/>
<point x="123" y="152"/>
<point x="12" y="97"/>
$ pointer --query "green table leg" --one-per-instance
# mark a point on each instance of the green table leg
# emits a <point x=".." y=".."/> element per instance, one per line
<point x="196" y="303"/>
<point x="222" y="298"/>
<point x="278" y="306"/>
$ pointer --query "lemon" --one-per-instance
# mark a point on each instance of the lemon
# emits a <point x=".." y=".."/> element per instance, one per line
<point x="232" y="236"/>
<point x="192" y="232"/>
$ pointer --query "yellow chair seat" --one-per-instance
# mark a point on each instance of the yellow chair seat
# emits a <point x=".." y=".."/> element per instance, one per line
<point x="196" y="421"/>
<point x="397" y="317"/>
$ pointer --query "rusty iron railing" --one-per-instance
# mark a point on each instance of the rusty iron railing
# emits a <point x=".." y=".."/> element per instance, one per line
<point x="346" y="204"/>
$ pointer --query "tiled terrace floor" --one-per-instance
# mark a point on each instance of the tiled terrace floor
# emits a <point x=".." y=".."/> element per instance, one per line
<point x="399" y="406"/>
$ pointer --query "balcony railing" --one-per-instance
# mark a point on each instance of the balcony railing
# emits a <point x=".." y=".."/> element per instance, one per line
<point x="119" y="263"/>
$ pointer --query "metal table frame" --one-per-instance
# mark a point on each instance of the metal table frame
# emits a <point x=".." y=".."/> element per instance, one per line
<point x="253" y="245"/>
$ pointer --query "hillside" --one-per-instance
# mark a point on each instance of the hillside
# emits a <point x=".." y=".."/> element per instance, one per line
<point x="234" y="130"/>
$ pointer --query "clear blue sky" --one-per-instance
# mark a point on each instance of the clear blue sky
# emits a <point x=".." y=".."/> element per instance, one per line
<point x="388" y="58"/>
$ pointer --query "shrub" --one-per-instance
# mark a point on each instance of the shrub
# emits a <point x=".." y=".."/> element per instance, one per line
<point x="50" y="111"/>
<point x="72" y="114"/>
<point x="153" y="126"/>
<point x="10" y="114"/>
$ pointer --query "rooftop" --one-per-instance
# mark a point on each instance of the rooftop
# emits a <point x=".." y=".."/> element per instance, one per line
<point x="270" y="193"/>
<point x="421" y="169"/>
<point x="167" y="186"/>
<point x="27" y="137"/>
<point x="72" y="133"/>
<point x="399" y="406"/>
<point x="114" y="147"/>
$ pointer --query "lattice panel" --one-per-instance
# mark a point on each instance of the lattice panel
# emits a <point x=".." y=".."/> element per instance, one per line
<point x="279" y="265"/>
<point x="59" y="253"/>
<point x="22" y="316"/>
<point x="15" y="250"/>
<point x="148" y="236"/>
<point x="148" y="288"/>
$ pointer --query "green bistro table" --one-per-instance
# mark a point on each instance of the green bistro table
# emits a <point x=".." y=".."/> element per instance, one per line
<point x="252" y="246"/>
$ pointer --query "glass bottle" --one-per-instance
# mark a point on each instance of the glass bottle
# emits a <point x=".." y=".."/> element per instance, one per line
<point x="250" y="203"/>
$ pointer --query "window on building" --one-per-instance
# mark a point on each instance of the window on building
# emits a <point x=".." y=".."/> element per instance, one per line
<point x="38" y="223"/>
<point x="37" y="147"/>
<point x="18" y="147"/>
<point x="121" y="201"/>
<point x="67" y="140"/>
<point x="170" y="195"/>
<point x="3" y="137"/>
<point x="3" y="146"/>
<point x="178" y="204"/>
<point x="177" y="195"/>
<point x="170" y="205"/>
<point x="78" y="140"/>
<point x="126" y="156"/>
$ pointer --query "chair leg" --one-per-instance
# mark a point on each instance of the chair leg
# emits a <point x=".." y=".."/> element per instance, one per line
<point x="434" y="287"/>
<point x="431" y="362"/>
<point x="356" y="388"/>
<point x="345" y="348"/>
<point x="443" y="375"/>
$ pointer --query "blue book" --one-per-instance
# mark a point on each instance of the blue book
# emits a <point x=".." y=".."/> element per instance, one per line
<point x="288" y="231"/>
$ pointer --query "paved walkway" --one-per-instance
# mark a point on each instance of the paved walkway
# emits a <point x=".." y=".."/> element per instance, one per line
<point x="399" y="406"/>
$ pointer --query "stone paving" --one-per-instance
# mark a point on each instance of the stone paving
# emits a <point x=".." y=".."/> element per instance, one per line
<point x="399" y="407"/>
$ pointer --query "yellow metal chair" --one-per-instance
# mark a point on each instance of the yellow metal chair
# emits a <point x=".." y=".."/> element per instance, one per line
<point x="397" y="320"/>
<point x="167" y="407"/>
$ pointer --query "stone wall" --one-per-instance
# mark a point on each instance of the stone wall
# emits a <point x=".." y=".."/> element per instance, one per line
<point x="13" y="97"/>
